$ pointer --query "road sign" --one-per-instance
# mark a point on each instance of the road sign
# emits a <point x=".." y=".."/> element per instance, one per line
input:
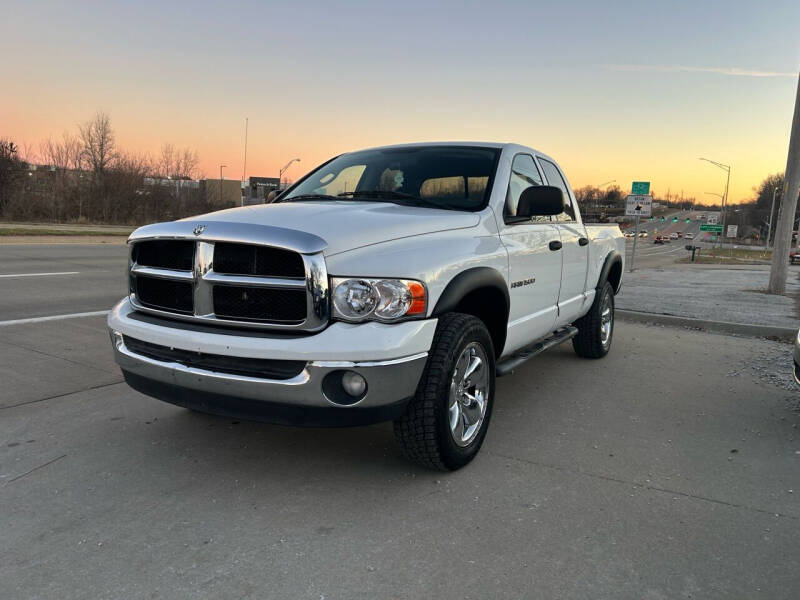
<point x="711" y="227"/>
<point x="638" y="205"/>
<point x="640" y="188"/>
<point x="732" y="231"/>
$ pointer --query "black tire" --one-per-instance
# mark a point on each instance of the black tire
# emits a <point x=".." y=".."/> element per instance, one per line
<point x="589" y="342"/>
<point x="423" y="432"/>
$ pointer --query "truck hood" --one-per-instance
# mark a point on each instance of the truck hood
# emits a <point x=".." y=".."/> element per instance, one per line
<point x="346" y="225"/>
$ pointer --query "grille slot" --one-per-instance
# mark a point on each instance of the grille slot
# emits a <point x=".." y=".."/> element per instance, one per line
<point x="259" y="304"/>
<point x="250" y="367"/>
<point x="165" y="254"/>
<point x="165" y="294"/>
<point x="265" y="261"/>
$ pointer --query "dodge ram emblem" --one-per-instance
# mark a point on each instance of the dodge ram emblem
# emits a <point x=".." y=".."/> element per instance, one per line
<point x="199" y="229"/>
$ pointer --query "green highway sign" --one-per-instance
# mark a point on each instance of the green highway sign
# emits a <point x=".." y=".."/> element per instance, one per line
<point x="714" y="228"/>
<point x="640" y="188"/>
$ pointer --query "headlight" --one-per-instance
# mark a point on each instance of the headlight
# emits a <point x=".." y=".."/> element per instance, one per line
<point x="377" y="299"/>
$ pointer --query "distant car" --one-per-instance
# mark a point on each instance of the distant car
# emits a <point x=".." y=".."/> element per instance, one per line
<point x="642" y="234"/>
<point x="629" y="234"/>
<point x="688" y="236"/>
<point x="680" y="234"/>
<point x="665" y="239"/>
<point x="658" y="240"/>
<point x="673" y="236"/>
<point x="794" y="256"/>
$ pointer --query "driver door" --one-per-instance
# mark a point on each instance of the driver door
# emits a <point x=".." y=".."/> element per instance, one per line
<point x="534" y="268"/>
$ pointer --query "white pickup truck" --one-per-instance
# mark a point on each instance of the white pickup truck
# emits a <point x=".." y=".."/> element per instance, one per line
<point x="388" y="284"/>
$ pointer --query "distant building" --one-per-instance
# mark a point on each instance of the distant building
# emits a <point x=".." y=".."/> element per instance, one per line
<point x="222" y="193"/>
<point x="260" y="187"/>
<point x="177" y="183"/>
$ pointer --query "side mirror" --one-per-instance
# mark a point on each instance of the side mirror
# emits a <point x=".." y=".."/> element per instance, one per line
<point x="271" y="197"/>
<point x="540" y="201"/>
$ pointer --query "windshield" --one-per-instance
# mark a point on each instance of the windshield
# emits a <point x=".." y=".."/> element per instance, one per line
<point x="449" y="177"/>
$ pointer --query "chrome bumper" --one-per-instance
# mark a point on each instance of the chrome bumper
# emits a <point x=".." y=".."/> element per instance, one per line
<point x="397" y="353"/>
<point x="388" y="381"/>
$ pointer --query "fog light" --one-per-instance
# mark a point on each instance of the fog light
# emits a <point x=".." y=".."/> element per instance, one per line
<point x="354" y="384"/>
<point x="116" y="339"/>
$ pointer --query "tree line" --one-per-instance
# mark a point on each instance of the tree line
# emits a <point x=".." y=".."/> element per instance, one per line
<point x="85" y="177"/>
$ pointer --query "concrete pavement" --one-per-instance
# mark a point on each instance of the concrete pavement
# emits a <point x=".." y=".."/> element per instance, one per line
<point x="665" y="480"/>
<point x="712" y="292"/>
<point x="668" y="469"/>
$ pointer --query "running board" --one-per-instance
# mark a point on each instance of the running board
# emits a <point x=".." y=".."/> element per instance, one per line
<point x="508" y="364"/>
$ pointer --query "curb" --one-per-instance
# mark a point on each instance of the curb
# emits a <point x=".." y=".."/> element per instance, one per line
<point x="783" y="334"/>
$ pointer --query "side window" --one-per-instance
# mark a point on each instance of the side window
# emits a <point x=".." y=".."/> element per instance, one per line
<point x="524" y="174"/>
<point x="554" y="178"/>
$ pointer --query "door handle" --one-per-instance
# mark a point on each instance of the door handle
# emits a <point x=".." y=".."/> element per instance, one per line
<point x="555" y="245"/>
<point x="583" y="241"/>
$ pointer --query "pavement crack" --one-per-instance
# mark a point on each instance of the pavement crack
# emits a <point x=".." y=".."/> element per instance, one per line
<point x="643" y="486"/>
<point x="42" y="466"/>
<point x="94" y="387"/>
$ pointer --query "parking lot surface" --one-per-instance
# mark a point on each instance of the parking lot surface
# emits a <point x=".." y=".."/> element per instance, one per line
<point x="671" y="468"/>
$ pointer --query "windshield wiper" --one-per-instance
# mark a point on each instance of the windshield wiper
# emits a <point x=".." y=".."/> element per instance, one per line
<point x="308" y="197"/>
<point x="395" y="197"/>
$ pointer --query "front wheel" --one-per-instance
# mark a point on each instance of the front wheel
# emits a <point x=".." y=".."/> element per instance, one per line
<point x="596" y="328"/>
<point x="446" y="421"/>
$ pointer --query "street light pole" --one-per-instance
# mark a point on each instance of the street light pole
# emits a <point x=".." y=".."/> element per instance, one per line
<point x="220" y="182"/>
<point x="721" y="197"/>
<point x="283" y="170"/>
<point x="727" y="183"/>
<point x="771" y="210"/>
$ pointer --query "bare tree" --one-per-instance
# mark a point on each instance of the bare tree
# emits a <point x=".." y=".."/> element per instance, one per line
<point x="64" y="159"/>
<point x="177" y="164"/>
<point x="63" y="154"/>
<point x="99" y="149"/>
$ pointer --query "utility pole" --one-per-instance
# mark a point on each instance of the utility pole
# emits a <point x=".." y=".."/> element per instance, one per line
<point x="787" y="207"/>
<point x="220" y="181"/>
<point x="244" y="168"/>
<point x="771" y="211"/>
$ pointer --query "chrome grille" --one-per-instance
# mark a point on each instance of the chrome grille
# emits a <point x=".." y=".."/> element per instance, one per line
<point x="165" y="254"/>
<point x="240" y="302"/>
<point x="245" y="259"/>
<point x="165" y="294"/>
<point x="229" y="283"/>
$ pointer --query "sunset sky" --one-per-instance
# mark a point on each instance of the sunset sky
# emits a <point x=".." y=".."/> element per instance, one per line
<point x="613" y="90"/>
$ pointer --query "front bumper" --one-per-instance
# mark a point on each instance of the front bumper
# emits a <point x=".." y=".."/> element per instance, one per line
<point x="391" y="359"/>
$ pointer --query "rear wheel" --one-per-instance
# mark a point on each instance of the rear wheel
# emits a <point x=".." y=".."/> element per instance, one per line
<point x="446" y="421"/>
<point x="596" y="328"/>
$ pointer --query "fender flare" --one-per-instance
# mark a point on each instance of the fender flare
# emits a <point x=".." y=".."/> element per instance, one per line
<point x="475" y="279"/>
<point x="613" y="258"/>
<point x="469" y="281"/>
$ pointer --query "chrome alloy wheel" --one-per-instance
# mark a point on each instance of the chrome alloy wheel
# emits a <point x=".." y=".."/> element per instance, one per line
<point x="469" y="393"/>
<point x="606" y="320"/>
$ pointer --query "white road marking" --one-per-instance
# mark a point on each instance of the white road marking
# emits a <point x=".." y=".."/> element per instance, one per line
<point x="40" y="274"/>
<point x="95" y="313"/>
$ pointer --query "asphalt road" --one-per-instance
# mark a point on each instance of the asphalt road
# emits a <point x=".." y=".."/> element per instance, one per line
<point x="45" y="279"/>
<point x="669" y="469"/>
